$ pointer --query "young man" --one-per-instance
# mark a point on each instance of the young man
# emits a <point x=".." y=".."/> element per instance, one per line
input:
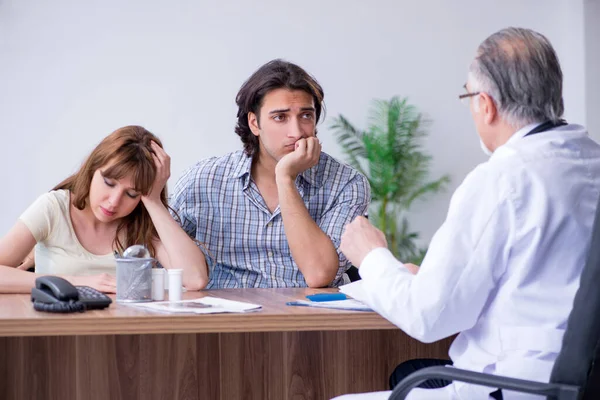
<point x="273" y="214"/>
<point x="503" y="269"/>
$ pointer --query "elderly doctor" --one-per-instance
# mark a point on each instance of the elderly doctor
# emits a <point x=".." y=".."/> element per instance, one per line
<point x="503" y="269"/>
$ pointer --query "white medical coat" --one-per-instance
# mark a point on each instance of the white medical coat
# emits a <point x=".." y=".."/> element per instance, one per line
<point x="504" y="267"/>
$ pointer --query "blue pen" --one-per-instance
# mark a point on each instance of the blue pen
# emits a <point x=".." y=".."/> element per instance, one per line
<point x="327" y="297"/>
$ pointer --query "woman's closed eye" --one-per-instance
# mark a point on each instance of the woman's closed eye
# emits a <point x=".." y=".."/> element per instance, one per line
<point x="109" y="183"/>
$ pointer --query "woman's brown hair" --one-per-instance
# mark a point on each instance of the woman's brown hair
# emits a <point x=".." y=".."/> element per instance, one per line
<point x="128" y="152"/>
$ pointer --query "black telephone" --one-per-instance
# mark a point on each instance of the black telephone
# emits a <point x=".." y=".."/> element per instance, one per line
<point x="54" y="294"/>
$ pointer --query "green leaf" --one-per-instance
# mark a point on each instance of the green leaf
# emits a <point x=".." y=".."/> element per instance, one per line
<point x="389" y="153"/>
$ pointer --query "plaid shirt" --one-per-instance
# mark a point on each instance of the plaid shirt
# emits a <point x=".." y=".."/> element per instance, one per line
<point x="219" y="205"/>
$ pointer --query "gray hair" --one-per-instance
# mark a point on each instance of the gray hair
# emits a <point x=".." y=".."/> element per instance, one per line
<point x="519" y="69"/>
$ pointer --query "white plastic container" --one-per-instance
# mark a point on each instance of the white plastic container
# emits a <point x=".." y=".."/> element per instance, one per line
<point x="158" y="284"/>
<point x="175" y="282"/>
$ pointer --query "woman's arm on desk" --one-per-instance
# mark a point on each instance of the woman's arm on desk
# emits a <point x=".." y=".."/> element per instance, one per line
<point x="28" y="262"/>
<point x="15" y="246"/>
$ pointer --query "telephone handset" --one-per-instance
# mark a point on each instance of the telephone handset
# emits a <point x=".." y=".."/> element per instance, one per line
<point x="54" y="294"/>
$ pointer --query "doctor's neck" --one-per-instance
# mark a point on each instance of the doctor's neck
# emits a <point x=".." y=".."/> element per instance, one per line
<point x="502" y="131"/>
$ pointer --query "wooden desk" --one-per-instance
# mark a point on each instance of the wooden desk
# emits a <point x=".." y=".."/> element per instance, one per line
<point x="278" y="353"/>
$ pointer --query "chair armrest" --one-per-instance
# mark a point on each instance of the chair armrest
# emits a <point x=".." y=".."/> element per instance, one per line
<point x="552" y="390"/>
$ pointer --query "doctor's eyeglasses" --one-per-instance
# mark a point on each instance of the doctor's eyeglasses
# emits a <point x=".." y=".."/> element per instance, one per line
<point x="465" y="96"/>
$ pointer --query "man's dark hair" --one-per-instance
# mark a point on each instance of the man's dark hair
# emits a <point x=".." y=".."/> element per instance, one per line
<point x="275" y="74"/>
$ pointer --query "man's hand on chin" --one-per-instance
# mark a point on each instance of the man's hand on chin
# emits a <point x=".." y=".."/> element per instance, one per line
<point x="359" y="239"/>
<point x="305" y="156"/>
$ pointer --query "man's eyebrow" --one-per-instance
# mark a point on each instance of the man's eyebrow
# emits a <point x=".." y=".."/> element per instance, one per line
<point x="284" y="110"/>
<point x="281" y="110"/>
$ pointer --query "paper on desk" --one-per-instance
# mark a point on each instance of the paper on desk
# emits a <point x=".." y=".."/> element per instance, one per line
<point x="349" y="304"/>
<point x="205" y="305"/>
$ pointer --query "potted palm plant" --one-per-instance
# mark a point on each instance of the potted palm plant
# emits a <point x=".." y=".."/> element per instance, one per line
<point x="389" y="154"/>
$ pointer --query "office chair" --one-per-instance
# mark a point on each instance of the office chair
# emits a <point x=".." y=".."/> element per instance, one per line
<point x="352" y="273"/>
<point x="576" y="372"/>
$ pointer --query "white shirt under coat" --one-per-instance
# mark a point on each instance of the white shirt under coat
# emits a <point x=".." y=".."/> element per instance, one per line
<point x="504" y="267"/>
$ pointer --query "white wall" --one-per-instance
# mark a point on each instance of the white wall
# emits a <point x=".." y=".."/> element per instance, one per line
<point x="592" y="65"/>
<point x="71" y="72"/>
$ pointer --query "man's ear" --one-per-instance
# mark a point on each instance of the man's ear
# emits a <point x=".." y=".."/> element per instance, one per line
<point x="488" y="108"/>
<point x="253" y="123"/>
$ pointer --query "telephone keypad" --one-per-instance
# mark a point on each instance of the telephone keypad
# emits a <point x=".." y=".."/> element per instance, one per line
<point x="92" y="298"/>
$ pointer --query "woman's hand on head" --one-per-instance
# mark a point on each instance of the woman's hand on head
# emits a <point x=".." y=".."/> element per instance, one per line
<point x="104" y="282"/>
<point x="163" y="172"/>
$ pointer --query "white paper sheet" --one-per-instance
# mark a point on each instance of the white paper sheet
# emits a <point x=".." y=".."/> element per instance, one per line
<point x="349" y="304"/>
<point x="205" y="305"/>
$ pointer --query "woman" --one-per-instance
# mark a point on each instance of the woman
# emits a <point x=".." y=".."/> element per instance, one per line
<point x="116" y="199"/>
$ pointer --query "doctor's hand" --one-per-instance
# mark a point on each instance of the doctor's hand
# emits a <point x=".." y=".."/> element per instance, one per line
<point x="305" y="155"/>
<point x="412" y="268"/>
<point x="359" y="238"/>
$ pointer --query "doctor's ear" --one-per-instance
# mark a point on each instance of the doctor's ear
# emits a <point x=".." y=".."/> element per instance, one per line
<point x="487" y="107"/>
<point x="253" y="123"/>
